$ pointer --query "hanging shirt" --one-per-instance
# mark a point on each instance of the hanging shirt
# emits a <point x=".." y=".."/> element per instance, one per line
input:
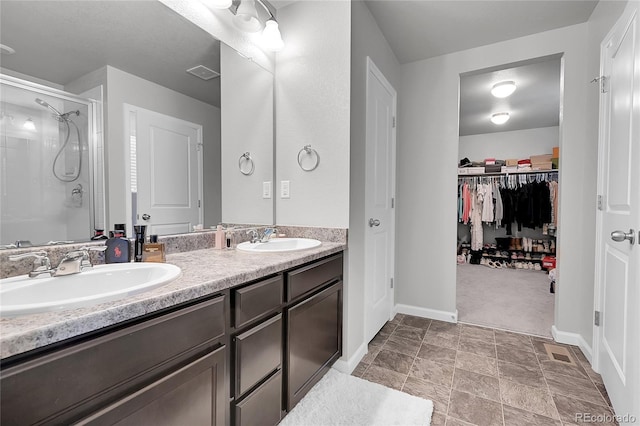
<point x="476" y="221"/>
<point x="487" y="203"/>
<point x="499" y="208"/>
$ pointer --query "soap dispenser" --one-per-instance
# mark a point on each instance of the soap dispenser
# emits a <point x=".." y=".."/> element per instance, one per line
<point x="220" y="240"/>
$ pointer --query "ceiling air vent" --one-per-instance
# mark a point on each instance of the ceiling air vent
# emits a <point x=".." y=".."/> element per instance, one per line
<point x="203" y="72"/>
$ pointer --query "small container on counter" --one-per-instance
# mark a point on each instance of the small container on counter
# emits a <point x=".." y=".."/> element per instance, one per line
<point x="153" y="251"/>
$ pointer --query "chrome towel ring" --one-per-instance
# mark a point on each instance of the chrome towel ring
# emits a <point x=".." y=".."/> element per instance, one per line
<point x="309" y="151"/>
<point x="246" y="158"/>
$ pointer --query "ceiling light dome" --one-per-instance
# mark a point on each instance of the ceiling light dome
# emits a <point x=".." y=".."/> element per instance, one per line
<point x="247" y="18"/>
<point x="29" y="124"/>
<point x="500" y="117"/>
<point x="503" y="89"/>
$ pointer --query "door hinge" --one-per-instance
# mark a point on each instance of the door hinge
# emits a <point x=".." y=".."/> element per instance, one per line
<point x="596" y="318"/>
<point x="393" y="202"/>
<point x="391" y="282"/>
<point x="199" y="147"/>
<point x="600" y="203"/>
<point x="602" y="82"/>
<point x="198" y="203"/>
<point x="394" y="123"/>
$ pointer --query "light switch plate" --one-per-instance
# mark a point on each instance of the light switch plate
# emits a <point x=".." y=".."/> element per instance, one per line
<point x="284" y="189"/>
<point x="266" y="189"/>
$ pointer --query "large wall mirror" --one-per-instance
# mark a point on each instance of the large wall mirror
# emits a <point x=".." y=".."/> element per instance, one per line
<point x="122" y="131"/>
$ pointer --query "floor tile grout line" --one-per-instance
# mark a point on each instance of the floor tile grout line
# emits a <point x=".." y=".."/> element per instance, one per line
<point x="553" y="401"/>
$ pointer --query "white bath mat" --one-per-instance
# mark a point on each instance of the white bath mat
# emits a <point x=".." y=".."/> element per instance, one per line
<point x="340" y="399"/>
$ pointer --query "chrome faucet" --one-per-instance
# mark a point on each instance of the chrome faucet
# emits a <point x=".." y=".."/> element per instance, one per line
<point x="41" y="263"/>
<point x="268" y="233"/>
<point x="264" y="238"/>
<point x="73" y="262"/>
<point x="76" y="261"/>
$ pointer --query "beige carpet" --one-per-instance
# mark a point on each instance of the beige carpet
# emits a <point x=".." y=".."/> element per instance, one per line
<point x="509" y="299"/>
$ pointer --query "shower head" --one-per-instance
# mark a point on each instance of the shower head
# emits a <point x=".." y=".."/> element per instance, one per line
<point x="46" y="105"/>
<point x="58" y="115"/>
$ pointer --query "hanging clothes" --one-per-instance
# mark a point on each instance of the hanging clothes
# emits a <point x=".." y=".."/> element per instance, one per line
<point x="499" y="208"/>
<point x="476" y="221"/>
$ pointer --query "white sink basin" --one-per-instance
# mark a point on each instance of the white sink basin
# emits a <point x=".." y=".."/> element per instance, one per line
<point x="278" y="245"/>
<point x="23" y="295"/>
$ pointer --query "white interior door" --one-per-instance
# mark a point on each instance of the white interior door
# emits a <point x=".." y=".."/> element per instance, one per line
<point x="379" y="193"/>
<point x="617" y="347"/>
<point x="169" y="173"/>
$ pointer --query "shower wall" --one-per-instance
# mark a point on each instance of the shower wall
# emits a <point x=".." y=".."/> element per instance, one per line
<point x="34" y="204"/>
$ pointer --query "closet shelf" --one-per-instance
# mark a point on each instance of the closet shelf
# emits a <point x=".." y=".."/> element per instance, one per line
<point x="530" y="172"/>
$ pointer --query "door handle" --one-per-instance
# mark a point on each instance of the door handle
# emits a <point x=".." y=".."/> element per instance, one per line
<point x="620" y="236"/>
<point x="374" y="222"/>
<point x="146" y="217"/>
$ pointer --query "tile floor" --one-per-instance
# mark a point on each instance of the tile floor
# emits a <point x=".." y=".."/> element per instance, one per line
<point x="481" y="376"/>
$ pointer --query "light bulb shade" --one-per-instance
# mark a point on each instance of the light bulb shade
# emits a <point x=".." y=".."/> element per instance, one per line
<point x="29" y="124"/>
<point x="500" y="117"/>
<point x="218" y="4"/>
<point x="503" y="89"/>
<point x="246" y="18"/>
<point x="271" y="37"/>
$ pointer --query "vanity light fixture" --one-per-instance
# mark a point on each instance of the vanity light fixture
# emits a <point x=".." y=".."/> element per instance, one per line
<point x="219" y="4"/>
<point x="503" y="89"/>
<point x="247" y="19"/>
<point x="500" y="117"/>
<point x="29" y="124"/>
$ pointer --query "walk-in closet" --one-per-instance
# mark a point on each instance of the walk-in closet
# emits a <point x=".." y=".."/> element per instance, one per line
<point x="507" y="196"/>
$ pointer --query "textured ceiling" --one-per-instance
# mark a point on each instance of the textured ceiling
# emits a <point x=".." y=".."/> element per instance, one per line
<point x="60" y="41"/>
<point x="423" y="29"/>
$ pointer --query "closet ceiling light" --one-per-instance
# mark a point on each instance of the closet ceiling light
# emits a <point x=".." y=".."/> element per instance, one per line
<point x="29" y="124"/>
<point x="503" y="89"/>
<point x="500" y="117"/>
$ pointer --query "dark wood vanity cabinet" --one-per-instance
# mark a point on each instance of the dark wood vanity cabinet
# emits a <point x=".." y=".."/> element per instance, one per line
<point x="257" y="345"/>
<point x="314" y="325"/>
<point x="149" y="372"/>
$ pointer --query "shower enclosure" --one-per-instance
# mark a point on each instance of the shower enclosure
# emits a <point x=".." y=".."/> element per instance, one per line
<point x="48" y="165"/>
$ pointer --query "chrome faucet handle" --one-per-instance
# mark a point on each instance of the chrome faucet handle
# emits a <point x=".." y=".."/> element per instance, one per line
<point x="41" y="262"/>
<point x="268" y="233"/>
<point x="255" y="237"/>
<point x="86" y="261"/>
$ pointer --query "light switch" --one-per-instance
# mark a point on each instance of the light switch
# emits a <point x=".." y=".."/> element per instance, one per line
<point x="284" y="189"/>
<point x="266" y="189"/>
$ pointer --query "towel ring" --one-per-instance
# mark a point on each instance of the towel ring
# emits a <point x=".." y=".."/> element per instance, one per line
<point x="244" y="158"/>
<point x="307" y="149"/>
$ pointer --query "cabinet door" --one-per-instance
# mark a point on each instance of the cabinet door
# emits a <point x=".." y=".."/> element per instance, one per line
<point x="314" y="333"/>
<point x="193" y="395"/>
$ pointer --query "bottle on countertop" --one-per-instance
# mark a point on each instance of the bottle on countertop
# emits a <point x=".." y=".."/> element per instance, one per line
<point x="140" y="231"/>
<point x="220" y="240"/>
<point x="153" y="250"/>
<point x="118" y="247"/>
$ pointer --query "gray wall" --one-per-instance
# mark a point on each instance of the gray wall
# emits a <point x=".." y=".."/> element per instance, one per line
<point x="517" y="144"/>
<point x="428" y="153"/>
<point x="312" y="107"/>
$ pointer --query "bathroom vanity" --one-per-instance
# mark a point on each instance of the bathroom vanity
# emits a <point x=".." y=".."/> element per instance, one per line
<point x="237" y="339"/>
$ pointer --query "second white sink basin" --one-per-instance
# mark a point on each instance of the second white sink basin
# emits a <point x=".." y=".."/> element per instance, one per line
<point x="278" y="245"/>
<point x="24" y="295"/>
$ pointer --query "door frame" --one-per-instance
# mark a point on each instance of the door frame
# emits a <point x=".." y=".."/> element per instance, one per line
<point x="373" y="69"/>
<point x="130" y="212"/>
<point x="625" y="20"/>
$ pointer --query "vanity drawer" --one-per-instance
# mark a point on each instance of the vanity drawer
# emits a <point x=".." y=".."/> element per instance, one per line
<point x="86" y="375"/>
<point x="308" y="278"/>
<point x="262" y="407"/>
<point x="258" y="352"/>
<point x="257" y="300"/>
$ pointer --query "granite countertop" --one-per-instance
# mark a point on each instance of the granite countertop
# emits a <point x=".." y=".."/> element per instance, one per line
<point x="204" y="272"/>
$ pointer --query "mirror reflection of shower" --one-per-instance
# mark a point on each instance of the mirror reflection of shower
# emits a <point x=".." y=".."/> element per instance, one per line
<point x="46" y="169"/>
<point x="64" y="118"/>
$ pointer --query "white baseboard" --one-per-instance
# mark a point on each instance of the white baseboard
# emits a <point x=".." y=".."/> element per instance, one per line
<point x="427" y="313"/>
<point x="347" y="366"/>
<point x="574" y="339"/>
